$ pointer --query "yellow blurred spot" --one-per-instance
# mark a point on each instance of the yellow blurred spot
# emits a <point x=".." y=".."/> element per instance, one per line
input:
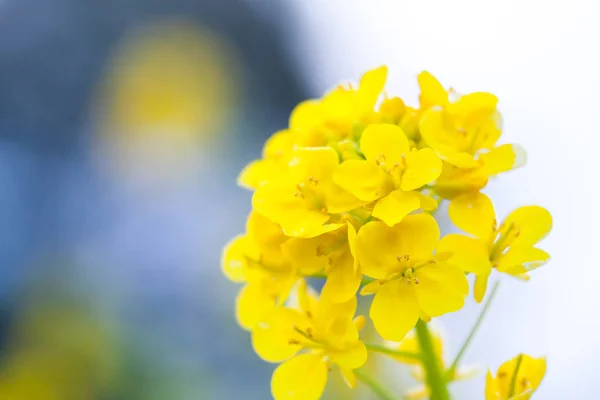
<point x="170" y="88"/>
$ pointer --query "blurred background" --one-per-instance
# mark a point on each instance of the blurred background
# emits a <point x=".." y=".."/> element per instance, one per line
<point x="124" y="123"/>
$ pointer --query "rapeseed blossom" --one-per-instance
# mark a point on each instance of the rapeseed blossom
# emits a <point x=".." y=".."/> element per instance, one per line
<point x="390" y="173"/>
<point x="509" y="248"/>
<point x="516" y="379"/>
<point x="346" y="193"/>
<point x="410" y="282"/>
<point x="325" y="333"/>
<point x="464" y="131"/>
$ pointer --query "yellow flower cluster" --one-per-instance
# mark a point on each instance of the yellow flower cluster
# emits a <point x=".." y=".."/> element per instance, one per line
<point x="346" y="193"/>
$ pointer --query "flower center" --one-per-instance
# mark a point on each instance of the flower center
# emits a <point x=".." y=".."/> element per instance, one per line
<point x="409" y="277"/>
<point x="408" y="267"/>
<point x="312" y="196"/>
<point x="506" y="235"/>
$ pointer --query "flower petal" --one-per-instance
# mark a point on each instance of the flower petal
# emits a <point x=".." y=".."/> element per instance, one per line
<point x="384" y="140"/>
<point x="392" y="109"/>
<point x="456" y="181"/>
<point x="533" y="224"/>
<point x="233" y="261"/>
<point x="473" y="110"/>
<point x="260" y="172"/>
<point x="461" y="160"/>
<point x="307" y="224"/>
<point x="442" y="288"/>
<point x="349" y="377"/>
<point x="395" y="206"/>
<point x="428" y="203"/>
<point x="422" y="167"/>
<point x="377" y="235"/>
<point x="474" y="214"/>
<point x="491" y="388"/>
<point x="503" y="158"/>
<point x="370" y="86"/>
<point x="352" y="245"/>
<point x="468" y="254"/>
<point x="432" y="91"/>
<point x="533" y="369"/>
<point x="353" y="356"/>
<point x="342" y="280"/>
<point x="306" y="116"/>
<point x="252" y="303"/>
<point x="263" y="231"/>
<point x="339" y="200"/>
<point x="480" y="287"/>
<point x="313" y="163"/>
<point x="336" y="317"/>
<point x="438" y="131"/>
<point x="271" y="335"/>
<point x="419" y="235"/>
<point x="279" y="145"/>
<point x="363" y="179"/>
<point x="395" y="310"/>
<point x="519" y="260"/>
<point x="308" y="255"/>
<point x="302" y="378"/>
<point x="276" y="200"/>
<point x="370" y="288"/>
<point x="529" y="375"/>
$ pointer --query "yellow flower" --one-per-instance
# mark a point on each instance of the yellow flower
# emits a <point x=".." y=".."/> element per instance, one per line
<point x="516" y="379"/>
<point x="277" y="152"/>
<point x="324" y="333"/>
<point x="332" y="253"/>
<point x="509" y="248"/>
<point x="410" y="282"/>
<point x="454" y="181"/>
<point x="410" y="344"/>
<point x="390" y="173"/>
<point x="432" y="91"/>
<point x="464" y="130"/>
<point x="335" y="116"/>
<point x="392" y="110"/>
<point x="256" y="259"/>
<point x="315" y="123"/>
<point x="306" y="203"/>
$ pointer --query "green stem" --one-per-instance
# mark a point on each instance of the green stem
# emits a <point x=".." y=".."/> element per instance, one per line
<point x="513" y="380"/>
<point x="379" y="390"/>
<point x="434" y="375"/>
<point x="463" y="349"/>
<point x="394" y="353"/>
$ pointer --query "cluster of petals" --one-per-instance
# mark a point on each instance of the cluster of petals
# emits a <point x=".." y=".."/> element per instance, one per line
<point x="347" y="193"/>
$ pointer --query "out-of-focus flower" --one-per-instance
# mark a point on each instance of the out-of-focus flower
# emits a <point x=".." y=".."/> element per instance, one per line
<point x="169" y="89"/>
<point x="516" y="379"/>
<point x="324" y="332"/>
<point x="410" y="281"/>
<point x="58" y="352"/>
<point x="509" y="248"/>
